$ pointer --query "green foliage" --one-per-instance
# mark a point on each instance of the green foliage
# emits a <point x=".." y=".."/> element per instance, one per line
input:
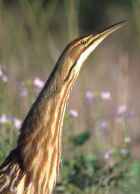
<point x="81" y="138"/>
<point x="76" y="169"/>
<point x="87" y="174"/>
<point x="132" y="178"/>
<point x="7" y="142"/>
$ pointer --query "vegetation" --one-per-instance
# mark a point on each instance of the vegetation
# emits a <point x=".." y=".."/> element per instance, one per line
<point x="101" y="131"/>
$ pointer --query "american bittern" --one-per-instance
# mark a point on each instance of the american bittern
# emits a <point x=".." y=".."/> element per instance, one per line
<point x="32" y="167"/>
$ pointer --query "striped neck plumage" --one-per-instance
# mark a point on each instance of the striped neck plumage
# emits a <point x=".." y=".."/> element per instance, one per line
<point x="40" y="139"/>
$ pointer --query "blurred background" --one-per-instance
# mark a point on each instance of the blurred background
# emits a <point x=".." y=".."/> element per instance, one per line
<point x="101" y="134"/>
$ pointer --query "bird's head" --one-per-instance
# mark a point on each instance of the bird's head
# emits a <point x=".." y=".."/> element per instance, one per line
<point x="78" y="50"/>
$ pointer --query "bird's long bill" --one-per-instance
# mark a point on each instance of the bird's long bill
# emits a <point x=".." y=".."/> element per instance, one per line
<point x="92" y="41"/>
<point x="95" y="40"/>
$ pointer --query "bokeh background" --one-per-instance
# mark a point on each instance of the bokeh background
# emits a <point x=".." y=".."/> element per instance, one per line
<point x="101" y="134"/>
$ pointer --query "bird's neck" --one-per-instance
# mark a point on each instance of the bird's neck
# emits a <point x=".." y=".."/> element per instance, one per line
<point x="40" y="138"/>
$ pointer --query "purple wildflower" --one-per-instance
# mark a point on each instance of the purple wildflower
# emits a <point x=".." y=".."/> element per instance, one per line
<point x="103" y="124"/>
<point x="122" y="109"/>
<point x="24" y="92"/>
<point x="108" y="154"/>
<point x="4" y="119"/>
<point x="73" y="113"/>
<point x="38" y="83"/>
<point x="3" y="76"/>
<point x="89" y="95"/>
<point x="105" y="95"/>
<point x="1" y="72"/>
<point x="17" y="123"/>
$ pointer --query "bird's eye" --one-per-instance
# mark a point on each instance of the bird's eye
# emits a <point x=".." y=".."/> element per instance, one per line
<point x="84" y="42"/>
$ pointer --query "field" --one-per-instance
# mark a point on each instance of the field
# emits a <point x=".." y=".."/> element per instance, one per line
<point x="101" y="133"/>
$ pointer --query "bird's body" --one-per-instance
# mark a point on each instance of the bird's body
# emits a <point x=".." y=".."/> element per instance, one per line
<point x="32" y="167"/>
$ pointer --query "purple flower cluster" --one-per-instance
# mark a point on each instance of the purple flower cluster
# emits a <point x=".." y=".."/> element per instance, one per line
<point x="73" y="113"/>
<point x="4" y="119"/>
<point x="38" y="83"/>
<point x="3" y="76"/>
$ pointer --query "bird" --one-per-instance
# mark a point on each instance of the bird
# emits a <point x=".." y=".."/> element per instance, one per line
<point x="33" y="165"/>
